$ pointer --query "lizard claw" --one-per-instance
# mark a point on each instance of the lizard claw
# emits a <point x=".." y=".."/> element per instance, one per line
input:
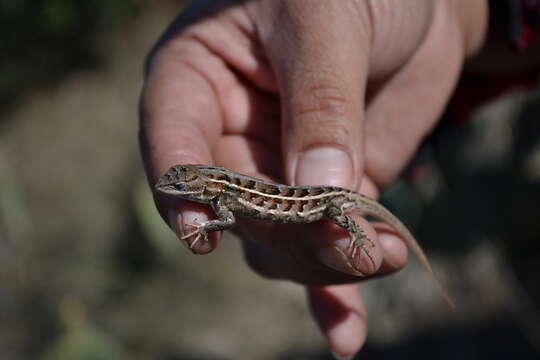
<point x="363" y="248"/>
<point x="199" y="231"/>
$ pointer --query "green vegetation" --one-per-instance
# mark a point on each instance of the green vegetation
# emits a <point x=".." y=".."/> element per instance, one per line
<point x="43" y="39"/>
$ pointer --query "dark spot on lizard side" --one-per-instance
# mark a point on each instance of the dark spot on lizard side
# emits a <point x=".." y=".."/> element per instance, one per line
<point x="272" y="204"/>
<point x="305" y="205"/>
<point x="248" y="184"/>
<point x="223" y="177"/>
<point x="286" y="191"/>
<point x="273" y="190"/>
<point x="286" y="205"/>
<point x="301" y="192"/>
<point x="257" y="200"/>
<point x="235" y="181"/>
<point x="316" y="191"/>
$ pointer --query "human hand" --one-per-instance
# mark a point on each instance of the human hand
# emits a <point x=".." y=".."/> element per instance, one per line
<point x="306" y="93"/>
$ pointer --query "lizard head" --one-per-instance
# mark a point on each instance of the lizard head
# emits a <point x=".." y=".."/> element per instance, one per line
<point x="184" y="181"/>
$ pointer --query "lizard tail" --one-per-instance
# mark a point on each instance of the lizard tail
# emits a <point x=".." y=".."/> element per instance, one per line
<point x="373" y="208"/>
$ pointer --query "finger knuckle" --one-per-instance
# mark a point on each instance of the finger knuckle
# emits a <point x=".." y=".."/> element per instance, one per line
<point x="324" y="114"/>
<point x="322" y="100"/>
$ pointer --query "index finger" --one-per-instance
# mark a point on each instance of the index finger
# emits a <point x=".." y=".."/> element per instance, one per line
<point x="180" y="120"/>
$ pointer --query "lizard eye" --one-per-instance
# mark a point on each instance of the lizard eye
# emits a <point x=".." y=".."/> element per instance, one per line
<point x="180" y="186"/>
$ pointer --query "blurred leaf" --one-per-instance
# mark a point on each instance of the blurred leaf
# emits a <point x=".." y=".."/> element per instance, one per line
<point x="60" y="15"/>
<point x="84" y="344"/>
<point x="81" y="341"/>
<point x="42" y="40"/>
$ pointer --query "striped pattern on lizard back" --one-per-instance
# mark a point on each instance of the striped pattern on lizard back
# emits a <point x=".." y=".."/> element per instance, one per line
<point x="255" y="198"/>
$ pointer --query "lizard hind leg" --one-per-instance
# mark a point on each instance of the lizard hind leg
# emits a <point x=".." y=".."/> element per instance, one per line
<point x="357" y="235"/>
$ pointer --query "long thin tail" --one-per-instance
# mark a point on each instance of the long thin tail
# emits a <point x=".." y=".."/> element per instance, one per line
<point x="375" y="209"/>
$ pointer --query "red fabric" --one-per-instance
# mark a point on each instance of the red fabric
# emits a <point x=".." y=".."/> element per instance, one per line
<point x="529" y="24"/>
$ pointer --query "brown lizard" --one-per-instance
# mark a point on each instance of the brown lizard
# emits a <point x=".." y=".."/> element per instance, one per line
<point x="232" y="194"/>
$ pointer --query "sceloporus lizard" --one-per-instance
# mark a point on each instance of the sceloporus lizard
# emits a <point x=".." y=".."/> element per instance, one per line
<point x="232" y="194"/>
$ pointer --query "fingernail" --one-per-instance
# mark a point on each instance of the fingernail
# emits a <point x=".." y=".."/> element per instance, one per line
<point x="336" y="259"/>
<point x="388" y="243"/>
<point x="323" y="166"/>
<point x="175" y="221"/>
<point x="341" y="337"/>
<point x="342" y="357"/>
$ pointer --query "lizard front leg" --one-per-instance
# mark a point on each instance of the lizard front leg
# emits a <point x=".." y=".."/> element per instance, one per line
<point x="224" y="221"/>
<point x="358" y="236"/>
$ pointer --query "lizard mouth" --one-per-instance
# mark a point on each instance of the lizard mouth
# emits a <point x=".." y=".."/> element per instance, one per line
<point x="167" y="189"/>
<point x="171" y="189"/>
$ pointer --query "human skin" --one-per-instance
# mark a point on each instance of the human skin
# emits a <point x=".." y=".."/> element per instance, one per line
<point x="305" y="92"/>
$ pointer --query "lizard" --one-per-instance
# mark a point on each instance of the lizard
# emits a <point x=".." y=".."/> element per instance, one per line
<point x="230" y="194"/>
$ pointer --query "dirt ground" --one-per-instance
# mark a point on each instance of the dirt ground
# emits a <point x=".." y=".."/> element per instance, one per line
<point x="89" y="270"/>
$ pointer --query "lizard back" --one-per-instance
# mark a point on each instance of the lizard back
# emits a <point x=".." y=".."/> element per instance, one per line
<point x="270" y="201"/>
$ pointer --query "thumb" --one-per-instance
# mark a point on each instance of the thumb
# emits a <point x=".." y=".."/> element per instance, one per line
<point x="321" y="73"/>
<point x="320" y="55"/>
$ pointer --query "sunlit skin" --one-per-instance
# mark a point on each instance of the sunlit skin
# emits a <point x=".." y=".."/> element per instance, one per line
<point x="305" y="92"/>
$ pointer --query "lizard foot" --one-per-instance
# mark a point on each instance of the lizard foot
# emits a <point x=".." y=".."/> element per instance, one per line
<point x="353" y="244"/>
<point x="363" y="248"/>
<point x="199" y="231"/>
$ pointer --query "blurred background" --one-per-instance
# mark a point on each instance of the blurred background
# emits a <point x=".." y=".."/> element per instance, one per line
<point x="89" y="271"/>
